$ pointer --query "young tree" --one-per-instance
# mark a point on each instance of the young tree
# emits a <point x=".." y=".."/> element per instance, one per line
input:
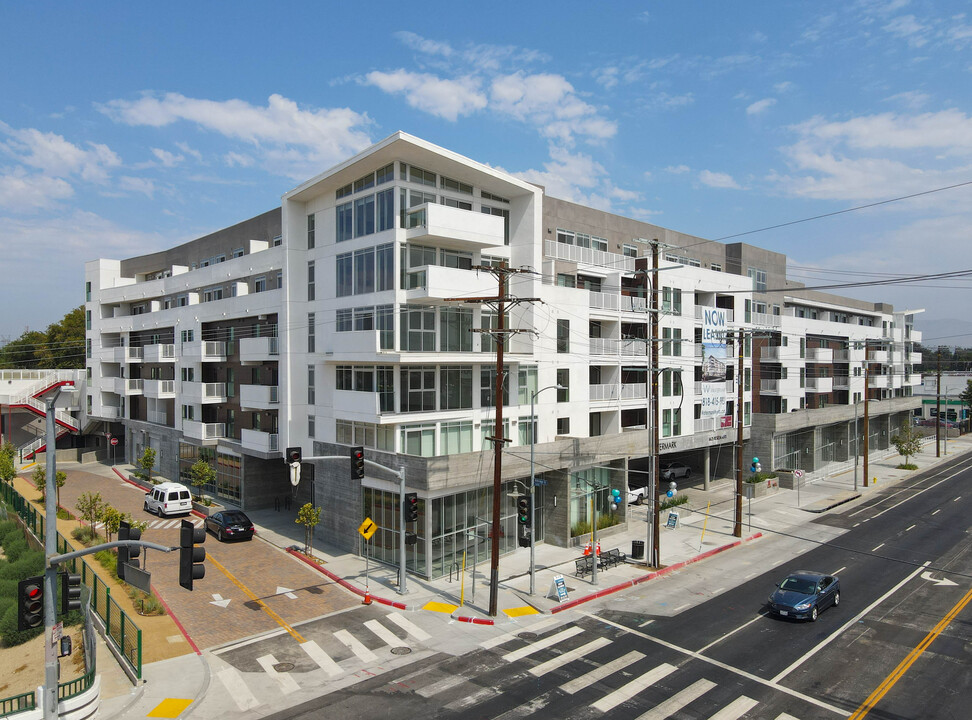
<point x="111" y="519"/>
<point x="90" y="505"/>
<point x="146" y="463"/>
<point x="39" y="478"/>
<point x="907" y="442"/>
<point x="8" y="471"/>
<point x="201" y="474"/>
<point x="966" y="396"/>
<point x="308" y="516"/>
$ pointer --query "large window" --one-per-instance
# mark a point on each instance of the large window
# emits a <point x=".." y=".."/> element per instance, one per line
<point x="385" y="267"/>
<point x="386" y="209"/>
<point x="310" y="281"/>
<point x="417" y="328"/>
<point x="563" y="336"/>
<point x="527" y="384"/>
<point x="310" y="231"/>
<point x="345" y="222"/>
<point x="563" y="379"/>
<point x="344" y="270"/>
<point x="455" y="387"/>
<point x="456" y="329"/>
<point x="385" y="321"/>
<point x="364" y="215"/>
<point x="418" y="389"/>
<point x="418" y="440"/>
<point x="456" y="437"/>
<point x="364" y="271"/>
<point x="487" y="386"/>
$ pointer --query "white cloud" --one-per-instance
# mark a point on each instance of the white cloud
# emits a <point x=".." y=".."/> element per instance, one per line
<point x="235" y="159"/>
<point x="948" y="130"/>
<point x="166" y="158"/>
<point x="718" y="180"/>
<point x="677" y="169"/>
<point x="129" y="184"/>
<point x="53" y="155"/>
<point x="568" y="176"/>
<point x="912" y="99"/>
<point x="23" y="192"/>
<point x="322" y="137"/>
<point x="782" y="87"/>
<point x="437" y="96"/>
<point x="760" y="106"/>
<point x="907" y="27"/>
<point x="188" y="150"/>
<point x="423" y="45"/>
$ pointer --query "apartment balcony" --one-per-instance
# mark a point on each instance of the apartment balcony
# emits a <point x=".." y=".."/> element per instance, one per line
<point x="820" y="355"/>
<point x="204" y="351"/>
<point x="259" y="397"/>
<point x="454" y="228"/>
<point x="607" y="392"/>
<point x="611" y="302"/>
<point x="913" y="358"/>
<point x="207" y="433"/>
<point x="879" y="381"/>
<point x="259" y="441"/>
<point x="841" y="382"/>
<point x="203" y="393"/>
<point x="159" y="389"/>
<point x="820" y="385"/>
<point x="109" y="412"/>
<point x="363" y="406"/>
<point x="562" y="251"/>
<point x="159" y="418"/>
<point x="127" y="386"/>
<point x="256" y="351"/>
<point x="615" y="347"/>
<point x="128" y="354"/>
<point x="700" y="309"/>
<point x="877" y="356"/>
<point x="434" y="282"/>
<point x="766" y="320"/>
<point x="159" y="353"/>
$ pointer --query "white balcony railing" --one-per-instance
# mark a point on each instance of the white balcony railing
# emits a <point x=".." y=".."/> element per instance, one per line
<point x="259" y="441"/>
<point x="841" y="382"/>
<point x="157" y="417"/>
<point x="877" y="356"/>
<point x="128" y="354"/>
<point x="158" y="388"/>
<point x="197" y="392"/>
<point x="159" y="353"/>
<point x="562" y="251"/>
<point x="820" y="355"/>
<point x="879" y="381"/>
<point x="262" y="397"/>
<point x="203" y="431"/>
<point x="453" y="227"/>
<point x="820" y="384"/>
<point x="128" y="386"/>
<point x="204" y="351"/>
<point x="259" y="350"/>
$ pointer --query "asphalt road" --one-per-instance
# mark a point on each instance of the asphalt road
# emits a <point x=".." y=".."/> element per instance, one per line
<point x="895" y="648"/>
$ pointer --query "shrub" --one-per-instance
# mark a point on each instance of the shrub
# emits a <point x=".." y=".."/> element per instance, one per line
<point x="760" y="477"/>
<point x="86" y="535"/>
<point x="673" y="502"/>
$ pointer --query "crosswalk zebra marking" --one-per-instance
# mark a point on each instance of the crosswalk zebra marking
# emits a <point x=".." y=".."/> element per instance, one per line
<point x="679" y="700"/>
<point x="323" y="660"/>
<point x="736" y="709"/>
<point x="286" y="682"/>
<point x="785" y="716"/>
<point x="589" y="678"/>
<point x="629" y="690"/>
<point x="542" y="644"/>
<point x="441" y="686"/>
<point x="238" y="689"/>
<point x="569" y="656"/>
<point x="383" y="633"/>
<point x="474" y="699"/>
<point x="408" y="626"/>
<point x="355" y="646"/>
<point x="506" y="637"/>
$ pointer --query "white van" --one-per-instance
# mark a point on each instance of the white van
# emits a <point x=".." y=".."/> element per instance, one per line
<point x="168" y="498"/>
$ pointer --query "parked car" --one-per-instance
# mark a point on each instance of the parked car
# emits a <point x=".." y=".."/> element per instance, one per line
<point x="674" y="471"/>
<point x="637" y="495"/>
<point x="804" y="594"/>
<point x="230" y="525"/>
<point x="168" y="498"/>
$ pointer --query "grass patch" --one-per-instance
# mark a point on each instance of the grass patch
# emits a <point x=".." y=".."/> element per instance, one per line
<point x="907" y="466"/>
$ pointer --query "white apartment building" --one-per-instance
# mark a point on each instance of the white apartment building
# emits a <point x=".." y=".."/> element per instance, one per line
<point x="349" y="317"/>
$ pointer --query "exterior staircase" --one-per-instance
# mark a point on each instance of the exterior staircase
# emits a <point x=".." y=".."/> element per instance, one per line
<point x="28" y="400"/>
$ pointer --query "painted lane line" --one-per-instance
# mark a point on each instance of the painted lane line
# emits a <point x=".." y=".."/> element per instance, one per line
<point x="250" y="594"/>
<point x="323" y="660"/>
<point x="910" y="528"/>
<point x="679" y="700"/>
<point x="568" y="657"/>
<point x="898" y="672"/>
<point x="850" y="623"/>
<point x="629" y="690"/>
<point x="957" y="499"/>
<point x="646" y="622"/>
<point x="355" y="646"/>
<point x="933" y="485"/>
<point x="286" y="682"/>
<point x="721" y="665"/>
<point x="384" y="634"/>
<point x="680" y="608"/>
<point x="732" y="632"/>
<point x="506" y="637"/>
<point x="736" y="709"/>
<point x="856" y="524"/>
<point x="542" y="644"/>
<point x="408" y="626"/>
<point x="877" y="548"/>
<point x="937" y="511"/>
<point x="238" y="689"/>
<point x="440" y="686"/>
<point x="589" y="678"/>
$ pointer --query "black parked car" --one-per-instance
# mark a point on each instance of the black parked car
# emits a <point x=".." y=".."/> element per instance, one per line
<point x="804" y="594"/>
<point x="230" y="525"/>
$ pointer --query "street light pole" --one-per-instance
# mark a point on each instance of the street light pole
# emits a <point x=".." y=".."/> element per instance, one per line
<point x="533" y="484"/>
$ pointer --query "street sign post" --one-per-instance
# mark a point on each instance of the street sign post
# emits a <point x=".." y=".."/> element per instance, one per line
<point x="367" y="529"/>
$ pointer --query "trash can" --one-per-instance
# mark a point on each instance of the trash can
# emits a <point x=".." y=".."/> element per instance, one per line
<point x="637" y="549"/>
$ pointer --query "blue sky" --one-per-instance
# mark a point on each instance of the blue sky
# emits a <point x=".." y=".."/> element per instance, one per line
<point x="130" y="127"/>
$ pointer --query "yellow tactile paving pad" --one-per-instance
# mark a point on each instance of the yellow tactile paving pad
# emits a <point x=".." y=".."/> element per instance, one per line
<point x="440" y="607"/>
<point x="521" y="611"/>
<point x="170" y="708"/>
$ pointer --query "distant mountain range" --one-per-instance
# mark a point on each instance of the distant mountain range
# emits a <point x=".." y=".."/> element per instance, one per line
<point x="949" y="332"/>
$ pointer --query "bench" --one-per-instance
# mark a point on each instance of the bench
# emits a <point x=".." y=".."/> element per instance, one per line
<point x="584" y="565"/>
<point x="612" y="558"/>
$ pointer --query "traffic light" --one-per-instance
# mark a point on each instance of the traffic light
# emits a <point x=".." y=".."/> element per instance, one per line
<point x="357" y="463"/>
<point x="191" y="558"/>
<point x="70" y="592"/>
<point x="30" y="603"/>
<point x="293" y="455"/>
<point x="134" y="551"/>
<point x="411" y="507"/>
<point x="121" y="559"/>
<point x="523" y="510"/>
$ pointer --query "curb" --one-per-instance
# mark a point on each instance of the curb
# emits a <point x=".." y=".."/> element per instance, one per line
<point x="345" y="584"/>
<point x="141" y="487"/>
<point x="652" y="575"/>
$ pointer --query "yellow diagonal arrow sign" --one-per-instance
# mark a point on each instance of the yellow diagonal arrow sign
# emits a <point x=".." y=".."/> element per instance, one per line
<point x="367" y="528"/>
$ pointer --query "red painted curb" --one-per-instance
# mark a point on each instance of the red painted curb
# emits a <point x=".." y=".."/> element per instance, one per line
<point x="344" y="583"/>
<point x="474" y="620"/>
<point x="652" y="575"/>
<point x="176" y="621"/>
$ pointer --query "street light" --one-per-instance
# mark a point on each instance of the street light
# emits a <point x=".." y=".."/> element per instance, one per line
<point x="533" y="483"/>
<point x="50" y="549"/>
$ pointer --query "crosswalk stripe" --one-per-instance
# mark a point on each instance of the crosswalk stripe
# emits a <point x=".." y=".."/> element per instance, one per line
<point x="355" y="646"/>
<point x="589" y="678"/>
<point x="441" y="686"/>
<point x="785" y="716"/>
<point x="408" y="626"/>
<point x="238" y="690"/>
<point x="679" y="700"/>
<point x="736" y="709"/>
<point x="473" y="699"/>
<point x="569" y="656"/>
<point x="542" y="644"/>
<point x="286" y="682"/>
<point x="506" y="637"/>
<point x="629" y="690"/>
<point x="323" y="660"/>
<point x="386" y="635"/>
<point x="155" y="523"/>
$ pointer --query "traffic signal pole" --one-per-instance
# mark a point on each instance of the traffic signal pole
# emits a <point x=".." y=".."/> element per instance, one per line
<point x="51" y="665"/>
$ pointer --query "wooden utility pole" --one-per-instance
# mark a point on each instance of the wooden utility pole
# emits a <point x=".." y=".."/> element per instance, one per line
<point x="656" y="460"/>
<point x="938" y="403"/>
<point x="867" y="432"/>
<point x="737" y="525"/>
<point x="499" y="335"/>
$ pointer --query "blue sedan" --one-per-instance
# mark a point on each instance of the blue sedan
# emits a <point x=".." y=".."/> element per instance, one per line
<point x="803" y="595"/>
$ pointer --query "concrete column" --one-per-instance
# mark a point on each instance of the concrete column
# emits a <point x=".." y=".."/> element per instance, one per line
<point x="707" y="470"/>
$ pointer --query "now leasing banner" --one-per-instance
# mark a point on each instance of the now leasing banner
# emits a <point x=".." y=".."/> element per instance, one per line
<point x="713" y="362"/>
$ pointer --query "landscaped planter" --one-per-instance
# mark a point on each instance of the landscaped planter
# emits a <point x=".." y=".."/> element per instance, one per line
<point x="758" y="489"/>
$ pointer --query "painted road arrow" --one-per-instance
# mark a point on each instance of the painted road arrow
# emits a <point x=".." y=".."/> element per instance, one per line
<point x="286" y="591"/>
<point x="218" y="600"/>
<point x="943" y="582"/>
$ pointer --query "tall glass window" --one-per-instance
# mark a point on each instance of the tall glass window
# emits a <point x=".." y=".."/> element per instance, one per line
<point x="310" y="231"/>
<point x="418" y="389"/>
<point x="417" y="328"/>
<point x="455" y="387"/>
<point x="487" y="386"/>
<point x="344" y="229"/>
<point x="364" y="271"/>
<point x="344" y="271"/>
<point x="386" y="209"/>
<point x="385" y="322"/>
<point x="385" y="267"/>
<point x="527" y="384"/>
<point x="364" y="216"/>
<point x="456" y="329"/>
